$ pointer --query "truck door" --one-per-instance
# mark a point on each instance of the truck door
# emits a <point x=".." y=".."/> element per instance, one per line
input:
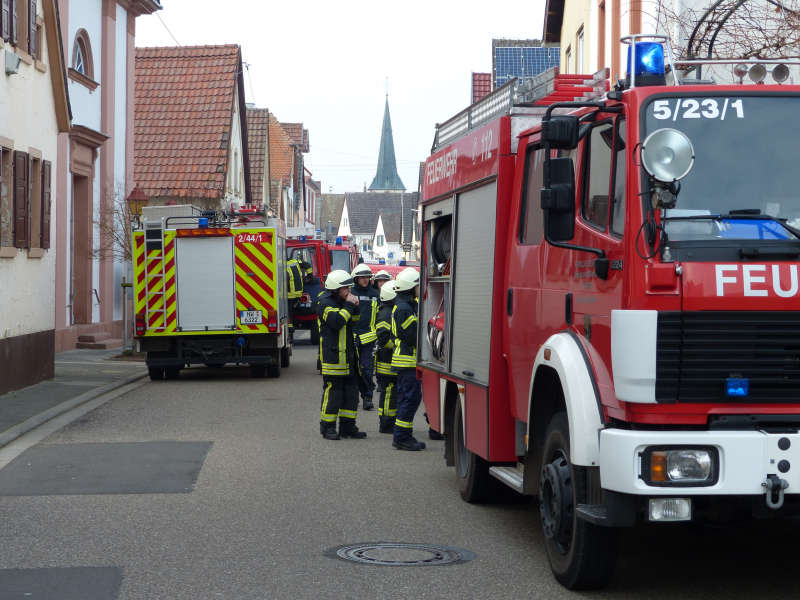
<point x="600" y="224"/>
<point x="523" y="295"/>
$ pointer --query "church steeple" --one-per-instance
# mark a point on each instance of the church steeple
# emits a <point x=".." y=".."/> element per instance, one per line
<point x="386" y="178"/>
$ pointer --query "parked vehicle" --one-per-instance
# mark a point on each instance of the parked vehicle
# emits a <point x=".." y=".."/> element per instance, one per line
<point x="323" y="258"/>
<point x="611" y="298"/>
<point x="210" y="289"/>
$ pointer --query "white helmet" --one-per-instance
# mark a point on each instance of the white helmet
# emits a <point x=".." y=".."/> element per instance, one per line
<point x="407" y="279"/>
<point x="338" y="279"/>
<point x="382" y="275"/>
<point x="361" y="270"/>
<point x="387" y="291"/>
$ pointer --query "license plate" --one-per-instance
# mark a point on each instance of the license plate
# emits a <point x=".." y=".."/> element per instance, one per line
<point x="250" y="317"/>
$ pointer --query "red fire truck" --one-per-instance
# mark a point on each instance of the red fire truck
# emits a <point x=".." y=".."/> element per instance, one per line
<point x="323" y="258"/>
<point x="612" y="280"/>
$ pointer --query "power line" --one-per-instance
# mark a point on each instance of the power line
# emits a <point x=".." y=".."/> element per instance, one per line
<point x="167" y="28"/>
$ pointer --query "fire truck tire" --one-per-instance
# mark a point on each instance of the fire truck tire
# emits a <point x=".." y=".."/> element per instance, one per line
<point x="286" y="353"/>
<point x="581" y="555"/>
<point x="172" y="373"/>
<point x="156" y="373"/>
<point x="314" y="333"/>
<point x="474" y="481"/>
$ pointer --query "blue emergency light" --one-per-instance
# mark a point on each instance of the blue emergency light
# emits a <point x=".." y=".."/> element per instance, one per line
<point x="338" y="241"/>
<point x="737" y="387"/>
<point x="202" y="222"/>
<point x="381" y="261"/>
<point x="302" y="238"/>
<point x="649" y="61"/>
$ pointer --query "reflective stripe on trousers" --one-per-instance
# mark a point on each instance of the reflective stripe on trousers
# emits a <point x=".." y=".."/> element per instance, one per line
<point x="409" y="395"/>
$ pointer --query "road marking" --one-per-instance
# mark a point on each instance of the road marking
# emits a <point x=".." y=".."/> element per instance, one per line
<point x="13" y="449"/>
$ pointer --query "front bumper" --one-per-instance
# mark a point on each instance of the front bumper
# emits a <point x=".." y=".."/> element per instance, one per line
<point x="746" y="458"/>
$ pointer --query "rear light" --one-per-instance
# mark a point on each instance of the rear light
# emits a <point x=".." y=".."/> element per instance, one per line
<point x="139" y="325"/>
<point x="272" y="322"/>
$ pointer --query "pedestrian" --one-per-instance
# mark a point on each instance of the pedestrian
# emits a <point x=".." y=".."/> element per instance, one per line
<point x="381" y="277"/>
<point x="336" y="310"/>
<point x="365" y="329"/>
<point x="385" y="375"/>
<point x="404" y="359"/>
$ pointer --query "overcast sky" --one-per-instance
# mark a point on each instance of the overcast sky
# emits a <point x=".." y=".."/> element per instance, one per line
<point x="326" y="63"/>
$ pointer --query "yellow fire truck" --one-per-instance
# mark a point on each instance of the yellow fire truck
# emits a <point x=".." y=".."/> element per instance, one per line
<point x="210" y="289"/>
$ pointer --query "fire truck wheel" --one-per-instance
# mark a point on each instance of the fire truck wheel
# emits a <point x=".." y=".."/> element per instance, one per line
<point x="286" y="353"/>
<point x="472" y="471"/>
<point x="156" y="373"/>
<point x="582" y="555"/>
<point x="314" y="333"/>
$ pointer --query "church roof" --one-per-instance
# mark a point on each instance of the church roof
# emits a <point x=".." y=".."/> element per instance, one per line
<point x="396" y="208"/>
<point x="386" y="178"/>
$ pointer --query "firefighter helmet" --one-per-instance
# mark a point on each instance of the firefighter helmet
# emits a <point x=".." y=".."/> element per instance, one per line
<point x="338" y="279"/>
<point x="361" y="270"/>
<point x="382" y="275"/>
<point x="406" y="280"/>
<point x="387" y="291"/>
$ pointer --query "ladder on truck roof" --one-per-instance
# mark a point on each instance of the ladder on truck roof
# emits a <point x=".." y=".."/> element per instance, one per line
<point x="540" y="91"/>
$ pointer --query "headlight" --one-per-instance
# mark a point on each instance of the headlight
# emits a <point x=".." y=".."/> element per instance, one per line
<point x="671" y="466"/>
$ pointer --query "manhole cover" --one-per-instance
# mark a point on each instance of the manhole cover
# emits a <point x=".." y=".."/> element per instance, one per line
<point x="395" y="554"/>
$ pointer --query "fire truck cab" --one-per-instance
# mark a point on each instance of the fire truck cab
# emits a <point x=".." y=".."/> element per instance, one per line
<point x="609" y="284"/>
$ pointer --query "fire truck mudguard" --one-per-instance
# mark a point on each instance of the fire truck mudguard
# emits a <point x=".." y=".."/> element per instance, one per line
<point x="562" y="353"/>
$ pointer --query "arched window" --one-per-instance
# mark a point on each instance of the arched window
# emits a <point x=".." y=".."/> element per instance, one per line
<point x="82" y="55"/>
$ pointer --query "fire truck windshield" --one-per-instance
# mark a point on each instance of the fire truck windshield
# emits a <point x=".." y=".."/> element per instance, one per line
<point x="340" y="259"/>
<point x="746" y="153"/>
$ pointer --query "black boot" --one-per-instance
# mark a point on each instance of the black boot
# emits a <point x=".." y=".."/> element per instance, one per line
<point x="348" y="429"/>
<point x="330" y="432"/>
<point x="409" y="444"/>
<point x="434" y="435"/>
<point x="368" y="405"/>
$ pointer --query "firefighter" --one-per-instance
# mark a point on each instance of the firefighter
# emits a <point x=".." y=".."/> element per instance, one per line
<point x="294" y="289"/>
<point x="385" y="375"/>
<point x="336" y="310"/>
<point x="365" y="329"/>
<point x="381" y="277"/>
<point x="404" y="359"/>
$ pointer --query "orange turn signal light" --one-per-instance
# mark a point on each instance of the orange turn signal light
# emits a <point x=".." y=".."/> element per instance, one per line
<point x="658" y="467"/>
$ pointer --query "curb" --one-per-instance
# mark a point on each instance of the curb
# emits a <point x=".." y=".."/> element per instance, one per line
<point x="12" y="433"/>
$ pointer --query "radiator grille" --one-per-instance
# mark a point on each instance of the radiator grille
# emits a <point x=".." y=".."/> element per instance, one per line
<point x="697" y="351"/>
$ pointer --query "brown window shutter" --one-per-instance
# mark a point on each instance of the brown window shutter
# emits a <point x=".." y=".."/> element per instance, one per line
<point x="32" y="47"/>
<point x="21" y="199"/>
<point x="5" y="20"/>
<point x="45" y="241"/>
<point x="14" y="23"/>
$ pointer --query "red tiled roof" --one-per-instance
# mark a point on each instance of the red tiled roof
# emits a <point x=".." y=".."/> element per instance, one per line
<point x="298" y="135"/>
<point x="280" y="152"/>
<point x="481" y="85"/>
<point x="182" y="127"/>
<point x="257" y="135"/>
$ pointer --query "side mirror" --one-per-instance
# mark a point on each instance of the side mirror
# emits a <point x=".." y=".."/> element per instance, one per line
<point x="561" y="132"/>
<point x="558" y="200"/>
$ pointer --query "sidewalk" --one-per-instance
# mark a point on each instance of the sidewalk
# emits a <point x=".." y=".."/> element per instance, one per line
<point x="80" y="376"/>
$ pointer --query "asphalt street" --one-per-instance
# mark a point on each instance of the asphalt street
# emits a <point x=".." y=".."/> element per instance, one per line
<point x="271" y="497"/>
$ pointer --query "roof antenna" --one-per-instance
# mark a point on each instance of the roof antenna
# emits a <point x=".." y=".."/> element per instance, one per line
<point x="386" y="86"/>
